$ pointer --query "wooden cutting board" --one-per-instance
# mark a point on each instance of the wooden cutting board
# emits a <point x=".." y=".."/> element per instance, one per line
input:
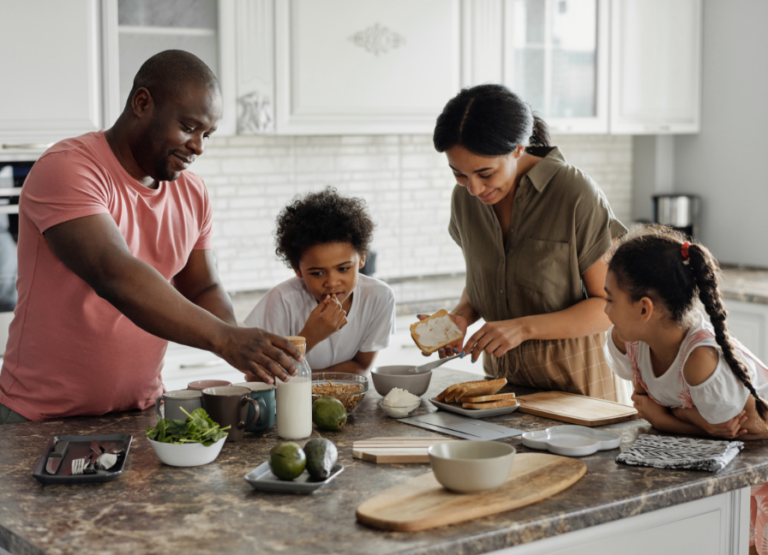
<point x="575" y="409"/>
<point x="391" y="450"/>
<point x="422" y="503"/>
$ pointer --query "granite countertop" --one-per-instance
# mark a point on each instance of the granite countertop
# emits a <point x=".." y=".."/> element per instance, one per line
<point x="154" y="508"/>
<point x="745" y="284"/>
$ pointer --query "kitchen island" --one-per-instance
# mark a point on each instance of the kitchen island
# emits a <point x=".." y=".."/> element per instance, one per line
<point x="153" y="508"/>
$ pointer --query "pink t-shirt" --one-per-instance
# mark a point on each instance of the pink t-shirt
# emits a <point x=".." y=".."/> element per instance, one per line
<point x="69" y="351"/>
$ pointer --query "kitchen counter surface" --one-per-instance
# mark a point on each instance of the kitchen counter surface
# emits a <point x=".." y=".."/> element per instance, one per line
<point x="744" y="284"/>
<point x="154" y="508"/>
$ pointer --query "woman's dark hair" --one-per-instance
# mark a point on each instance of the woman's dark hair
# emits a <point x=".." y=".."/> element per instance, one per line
<point x="488" y="120"/>
<point x="649" y="263"/>
<point x="319" y="218"/>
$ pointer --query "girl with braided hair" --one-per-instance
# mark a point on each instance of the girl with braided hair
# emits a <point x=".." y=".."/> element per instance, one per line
<point x="690" y="376"/>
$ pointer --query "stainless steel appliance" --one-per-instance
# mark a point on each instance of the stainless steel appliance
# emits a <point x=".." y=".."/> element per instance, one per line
<point x="681" y="212"/>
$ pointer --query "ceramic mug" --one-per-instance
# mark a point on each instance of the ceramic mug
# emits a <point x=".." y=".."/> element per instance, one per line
<point x="173" y="401"/>
<point x="199" y="385"/>
<point x="264" y="395"/>
<point x="228" y="405"/>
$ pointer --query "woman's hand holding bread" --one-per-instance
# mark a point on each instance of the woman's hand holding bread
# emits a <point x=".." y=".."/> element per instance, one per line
<point x="326" y="318"/>
<point x="444" y="337"/>
<point x="496" y="338"/>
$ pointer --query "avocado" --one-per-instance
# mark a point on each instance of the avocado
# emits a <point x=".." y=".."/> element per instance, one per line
<point x="321" y="456"/>
<point x="328" y="413"/>
<point x="287" y="460"/>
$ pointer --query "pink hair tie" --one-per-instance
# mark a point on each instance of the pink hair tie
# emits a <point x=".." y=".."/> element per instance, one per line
<point x="684" y="250"/>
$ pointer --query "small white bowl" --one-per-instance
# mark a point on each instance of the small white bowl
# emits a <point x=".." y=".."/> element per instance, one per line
<point x="187" y="454"/>
<point x="471" y="466"/>
<point x="400" y="411"/>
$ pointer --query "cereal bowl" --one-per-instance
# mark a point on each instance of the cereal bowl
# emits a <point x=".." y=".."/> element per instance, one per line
<point x="471" y="466"/>
<point x="386" y="378"/>
<point x="347" y="388"/>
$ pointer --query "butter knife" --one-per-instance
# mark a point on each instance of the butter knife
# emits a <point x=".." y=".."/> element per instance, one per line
<point x="56" y="456"/>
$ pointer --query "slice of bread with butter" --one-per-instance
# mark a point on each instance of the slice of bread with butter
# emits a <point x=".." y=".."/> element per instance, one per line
<point x="435" y="332"/>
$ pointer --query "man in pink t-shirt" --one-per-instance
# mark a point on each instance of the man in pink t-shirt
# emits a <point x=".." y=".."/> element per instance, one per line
<point x="115" y="259"/>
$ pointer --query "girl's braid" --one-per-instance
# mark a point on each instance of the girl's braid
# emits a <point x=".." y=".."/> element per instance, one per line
<point x="704" y="271"/>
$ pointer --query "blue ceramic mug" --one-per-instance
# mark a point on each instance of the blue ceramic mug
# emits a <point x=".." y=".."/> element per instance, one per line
<point x="264" y="395"/>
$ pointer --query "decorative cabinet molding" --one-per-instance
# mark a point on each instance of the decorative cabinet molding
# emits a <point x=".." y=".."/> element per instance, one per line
<point x="51" y="69"/>
<point x="255" y="67"/>
<point x="365" y="66"/>
<point x="655" y="66"/>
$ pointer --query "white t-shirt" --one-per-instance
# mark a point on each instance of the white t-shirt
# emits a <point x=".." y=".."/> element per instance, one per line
<point x="370" y="322"/>
<point x="718" y="399"/>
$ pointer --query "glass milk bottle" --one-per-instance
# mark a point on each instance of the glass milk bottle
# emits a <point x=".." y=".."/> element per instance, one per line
<point x="294" y="399"/>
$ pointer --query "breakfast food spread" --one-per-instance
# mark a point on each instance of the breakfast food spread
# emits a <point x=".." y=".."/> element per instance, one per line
<point x="399" y="402"/>
<point x="435" y="332"/>
<point x="479" y="394"/>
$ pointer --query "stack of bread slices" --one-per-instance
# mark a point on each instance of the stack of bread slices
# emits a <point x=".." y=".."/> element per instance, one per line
<point x="480" y="394"/>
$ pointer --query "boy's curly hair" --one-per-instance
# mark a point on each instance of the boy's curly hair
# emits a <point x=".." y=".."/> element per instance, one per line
<point x="319" y="218"/>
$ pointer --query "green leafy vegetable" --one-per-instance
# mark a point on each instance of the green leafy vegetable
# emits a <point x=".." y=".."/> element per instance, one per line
<point x="197" y="428"/>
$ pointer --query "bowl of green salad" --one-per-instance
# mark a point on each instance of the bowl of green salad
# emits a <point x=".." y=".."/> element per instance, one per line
<point x="192" y="442"/>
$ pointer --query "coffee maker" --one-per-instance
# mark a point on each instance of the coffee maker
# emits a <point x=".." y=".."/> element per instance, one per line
<point x="680" y="212"/>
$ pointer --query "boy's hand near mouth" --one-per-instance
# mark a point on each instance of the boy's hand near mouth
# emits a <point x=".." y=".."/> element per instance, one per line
<point x="327" y="318"/>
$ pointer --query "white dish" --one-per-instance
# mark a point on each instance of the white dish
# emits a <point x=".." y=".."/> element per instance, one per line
<point x="187" y="454"/>
<point x="572" y="441"/>
<point x="474" y="413"/>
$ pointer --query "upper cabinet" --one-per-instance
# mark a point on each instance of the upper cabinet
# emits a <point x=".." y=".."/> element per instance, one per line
<point x="365" y="66"/>
<point x="136" y="30"/>
<point x="655" y="66"/>
<point x="51" y="68"/>
<point x="556" y="58"/>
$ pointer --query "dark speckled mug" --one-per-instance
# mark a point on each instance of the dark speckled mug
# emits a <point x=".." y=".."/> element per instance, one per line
<point x="228" y="405"/>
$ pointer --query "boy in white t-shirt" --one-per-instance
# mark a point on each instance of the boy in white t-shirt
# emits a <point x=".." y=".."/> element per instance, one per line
<point x="346" y="317"/>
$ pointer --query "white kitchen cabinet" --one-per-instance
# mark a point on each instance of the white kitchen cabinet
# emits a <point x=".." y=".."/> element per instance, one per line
<point x="365" y="66"/>
<point x="135" y="30"/>
<point x="51" y="72"/>
<point x="655" y="66"/>
<point x="556" y="59"/>
<point x="717" y="525"/>
<point x="748" y="322"/>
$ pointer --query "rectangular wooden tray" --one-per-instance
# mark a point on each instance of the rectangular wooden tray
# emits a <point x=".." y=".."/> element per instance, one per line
<point x="575" y="409"/>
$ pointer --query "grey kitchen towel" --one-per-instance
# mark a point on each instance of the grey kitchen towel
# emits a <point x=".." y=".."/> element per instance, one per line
<point x="682" y="453"/>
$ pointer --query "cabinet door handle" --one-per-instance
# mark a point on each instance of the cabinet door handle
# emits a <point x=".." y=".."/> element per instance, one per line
<point x="27" y="146"/>
<point x="203" y="364"/>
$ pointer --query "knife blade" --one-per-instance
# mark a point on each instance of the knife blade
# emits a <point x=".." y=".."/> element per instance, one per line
<point x="56" y="456"/>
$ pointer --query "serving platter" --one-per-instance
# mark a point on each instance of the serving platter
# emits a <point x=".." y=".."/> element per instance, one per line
<point x="262" y="479"/>
<point x="473" y="413"/>
<point x="572" y="441"/>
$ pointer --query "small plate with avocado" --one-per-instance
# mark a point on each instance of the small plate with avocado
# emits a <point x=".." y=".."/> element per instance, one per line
<point x="262" y="479"/>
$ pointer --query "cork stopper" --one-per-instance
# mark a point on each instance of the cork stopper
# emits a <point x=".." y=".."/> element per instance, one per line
<point x="299" y="342"/>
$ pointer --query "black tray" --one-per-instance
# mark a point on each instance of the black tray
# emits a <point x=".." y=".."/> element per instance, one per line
<point x="79" y="447"/>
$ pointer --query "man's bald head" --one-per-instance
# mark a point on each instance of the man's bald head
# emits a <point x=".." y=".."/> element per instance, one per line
<point x="166" y="76"/>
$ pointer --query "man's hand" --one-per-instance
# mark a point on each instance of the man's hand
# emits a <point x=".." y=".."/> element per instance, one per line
<point x="260" y="355"/>
<point x="455" y="347"/>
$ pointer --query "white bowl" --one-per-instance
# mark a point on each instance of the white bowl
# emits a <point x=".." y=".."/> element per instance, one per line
<point x="386" y="378"/>
<point x="401" y="410"/>
<point x="471" y="466"/>
<point x="187" y="454"/>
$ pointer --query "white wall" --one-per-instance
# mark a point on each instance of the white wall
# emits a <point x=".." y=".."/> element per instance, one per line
<point x="726" y="162"/>
<point x="406" y="184"/>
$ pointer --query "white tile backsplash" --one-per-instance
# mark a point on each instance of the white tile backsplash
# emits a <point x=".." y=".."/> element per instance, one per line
<point x="406" y="184"/>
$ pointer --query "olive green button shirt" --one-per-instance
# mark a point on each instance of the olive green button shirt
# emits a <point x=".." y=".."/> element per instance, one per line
<point x="561" y="225"/>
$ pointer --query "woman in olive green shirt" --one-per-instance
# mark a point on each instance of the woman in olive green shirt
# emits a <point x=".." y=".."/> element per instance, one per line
<point x="533" y="230"/>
